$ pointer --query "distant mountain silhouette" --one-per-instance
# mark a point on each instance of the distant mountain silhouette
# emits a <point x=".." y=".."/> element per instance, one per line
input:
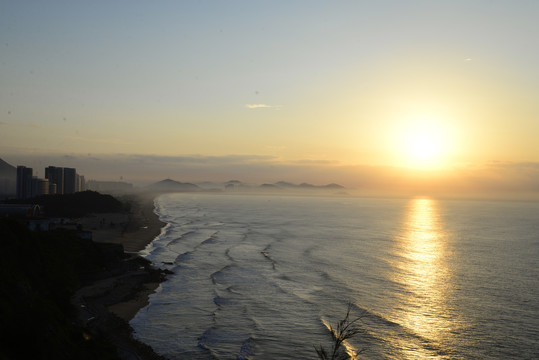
<point x="269" y="187"/>
<point x="285" y="184"/>
<point x="7" y="169"/>
<point x="333" y="186"/>
<point x="8" y="179"/>
<point x="237" y="185"/>
<point x="169" y="185"/>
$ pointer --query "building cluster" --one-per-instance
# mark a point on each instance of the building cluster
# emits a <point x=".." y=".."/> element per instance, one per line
<point x="58" y="180"/>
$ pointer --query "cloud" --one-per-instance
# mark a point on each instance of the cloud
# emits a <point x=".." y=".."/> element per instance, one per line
<point x="315" y="162"/>
<point x="262" y="106"/>
<point x="198" y="159"/>
<point x="514" y="165"/>
<point x="115" y="141"/>
<point x="13" y="123"/>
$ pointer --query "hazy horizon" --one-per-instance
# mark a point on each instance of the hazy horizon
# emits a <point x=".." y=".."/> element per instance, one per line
<point x="495" y="180"/>
<point x="392" y="97"/>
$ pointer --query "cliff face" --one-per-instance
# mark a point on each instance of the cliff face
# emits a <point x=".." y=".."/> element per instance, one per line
<point x="8" y="179"/>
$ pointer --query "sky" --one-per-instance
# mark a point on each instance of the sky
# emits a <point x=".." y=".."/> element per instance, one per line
<point x="413" y="96"/>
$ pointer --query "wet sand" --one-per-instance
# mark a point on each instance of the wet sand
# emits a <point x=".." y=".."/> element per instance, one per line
<point x="107" y="305"/>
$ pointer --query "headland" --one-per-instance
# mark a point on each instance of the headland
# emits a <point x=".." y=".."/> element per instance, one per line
<point x="72" y="296"/>
<point x="108" y="304"/>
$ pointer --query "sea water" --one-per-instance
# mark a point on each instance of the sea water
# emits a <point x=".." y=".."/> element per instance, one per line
<point x="262" y="277"/>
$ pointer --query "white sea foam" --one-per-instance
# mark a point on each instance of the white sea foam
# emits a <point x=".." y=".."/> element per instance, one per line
<point x="253" y="276"/>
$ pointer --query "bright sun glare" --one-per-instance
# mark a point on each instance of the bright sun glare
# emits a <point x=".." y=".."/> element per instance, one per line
<point x="423" y="143"/>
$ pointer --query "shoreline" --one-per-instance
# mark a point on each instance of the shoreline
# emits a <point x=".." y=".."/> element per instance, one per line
<point x="107" y="305"/>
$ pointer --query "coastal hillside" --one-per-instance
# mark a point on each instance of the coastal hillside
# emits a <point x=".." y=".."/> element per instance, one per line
<point x="75" y="205"/>
<point x="39" y="272"/>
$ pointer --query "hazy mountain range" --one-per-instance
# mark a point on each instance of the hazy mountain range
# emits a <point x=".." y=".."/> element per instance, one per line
<point x="238" y="185"/>
<point x="169" y="185"/>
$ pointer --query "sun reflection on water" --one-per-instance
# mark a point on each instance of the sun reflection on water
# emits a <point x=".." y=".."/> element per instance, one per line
<point x="422" y="274"/>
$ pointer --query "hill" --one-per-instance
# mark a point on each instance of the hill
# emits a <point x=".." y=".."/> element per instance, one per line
<point x="284" y="184"/>
<point x="39" y="272"/>
<point x="75" y="205"/>
<point x="169" y="185"/>
<point x="236" y="185"/>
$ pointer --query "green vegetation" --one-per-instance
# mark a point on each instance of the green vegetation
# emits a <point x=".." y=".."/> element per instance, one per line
<point x="346" y="329"/>
<point x="39" y="272"/>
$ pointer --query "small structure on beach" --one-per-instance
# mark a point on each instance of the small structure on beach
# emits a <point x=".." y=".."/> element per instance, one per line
<point x="28" y="214"/>
<point x="19" y="210"/>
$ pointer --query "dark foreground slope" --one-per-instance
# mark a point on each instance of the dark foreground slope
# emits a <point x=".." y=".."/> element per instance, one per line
<point x="74" y="205"/>
<point x="39" y="274"/>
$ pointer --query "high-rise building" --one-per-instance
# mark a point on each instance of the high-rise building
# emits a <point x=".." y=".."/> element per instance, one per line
<point x="56" y="176"/>
<point x="39" y="187"/>
<point x="57" y="180"/>
<point x="66" y="179"/>
<point x="24" y="182"/>
<point x="70" y="180"/>
<point x="82" y="183"/>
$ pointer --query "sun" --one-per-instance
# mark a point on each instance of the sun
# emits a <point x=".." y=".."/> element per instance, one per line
<point x="423" y="143"/>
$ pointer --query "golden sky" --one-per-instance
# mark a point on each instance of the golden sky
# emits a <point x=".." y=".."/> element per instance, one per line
<point x="388" y="94"/>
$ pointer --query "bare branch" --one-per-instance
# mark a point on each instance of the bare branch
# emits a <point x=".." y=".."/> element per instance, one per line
<point x="346" y="329"/>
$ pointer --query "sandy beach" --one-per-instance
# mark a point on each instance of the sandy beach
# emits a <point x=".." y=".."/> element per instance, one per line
<point x="107" y="305"/>
<point x="133" y="230"/>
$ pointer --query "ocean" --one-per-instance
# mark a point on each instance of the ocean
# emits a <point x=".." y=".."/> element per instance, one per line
<point x="262" y="276"/>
